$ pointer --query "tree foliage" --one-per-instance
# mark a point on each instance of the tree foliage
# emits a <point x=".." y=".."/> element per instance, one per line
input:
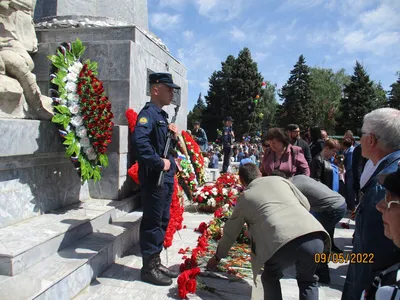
<point x="326" y="92"/>
<point x="296" y="96"/>
<point x="231" y="91"/>
<point x="196" y="114"/>
<point x="394" y="94"/>
<point x="359" y="98"/>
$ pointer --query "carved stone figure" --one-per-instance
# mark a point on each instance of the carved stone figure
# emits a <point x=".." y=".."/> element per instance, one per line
<point x="17" y="37"/>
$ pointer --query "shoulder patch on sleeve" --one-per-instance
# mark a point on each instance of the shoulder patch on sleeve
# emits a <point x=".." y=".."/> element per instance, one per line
<point x="143" y="120"/>
<point x="226" y="133"/>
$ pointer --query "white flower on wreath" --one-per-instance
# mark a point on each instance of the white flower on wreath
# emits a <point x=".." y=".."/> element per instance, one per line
<point x="207" y="193"/>
<point x="73" y="98"/>
<point x="74" y="109"/>
<point x="75" y="68"/>
<point x="81" y="132"/>
<point x="235" y="191"/>
<point x="224" y="191"/>
<point x="214" y="191"/>
<point x="225" y="208"/>
<point x="85" y="142"/>
<point x="202" y="195"/>
<point x="77" y="120"/>
<point x="72" y="77"/>
<point x="71" y="87"/>
<point x="211" y="202"/>
<point x="90" y="153"/>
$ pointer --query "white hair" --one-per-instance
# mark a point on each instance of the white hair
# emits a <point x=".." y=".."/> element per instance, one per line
<point x="384" y="123"/>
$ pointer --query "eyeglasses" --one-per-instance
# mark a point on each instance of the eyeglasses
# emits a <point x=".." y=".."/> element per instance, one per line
<point x="389" y="203"/>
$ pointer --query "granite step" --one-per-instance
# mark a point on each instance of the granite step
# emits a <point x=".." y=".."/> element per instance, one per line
<point x="66" y="273"/>
<point x="24" y="244"/>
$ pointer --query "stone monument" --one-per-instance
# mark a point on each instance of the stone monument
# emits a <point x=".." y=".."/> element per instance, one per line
<point x="17" y="83"/>
<point x="35" y="175"/>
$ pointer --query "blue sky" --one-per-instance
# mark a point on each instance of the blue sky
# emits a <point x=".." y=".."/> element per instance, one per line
<point x="329" y="33"/>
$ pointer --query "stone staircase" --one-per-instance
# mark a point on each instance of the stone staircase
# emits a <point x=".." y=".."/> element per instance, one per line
<point x="57" y="255"/>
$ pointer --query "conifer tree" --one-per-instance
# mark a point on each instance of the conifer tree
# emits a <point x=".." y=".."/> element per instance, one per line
<point x="394" y="94"/>
<point x="358" y="99"/>
<point x="296" y="96"/>
<point x="196" y="113"/>
<point x="232" y="90"/>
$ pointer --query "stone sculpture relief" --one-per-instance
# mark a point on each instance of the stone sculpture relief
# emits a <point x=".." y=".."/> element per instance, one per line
<point x="17" y="82"/>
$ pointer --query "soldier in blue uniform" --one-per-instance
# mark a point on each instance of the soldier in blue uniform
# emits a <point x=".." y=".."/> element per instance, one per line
<point x="228" y="137"/>
<point x="148" y="142"/>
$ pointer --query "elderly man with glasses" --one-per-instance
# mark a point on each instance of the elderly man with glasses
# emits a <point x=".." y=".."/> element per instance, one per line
<point x="381" y="145"/>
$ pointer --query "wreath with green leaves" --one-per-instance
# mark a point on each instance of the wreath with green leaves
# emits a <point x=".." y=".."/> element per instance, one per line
<point x="82" y="110"/>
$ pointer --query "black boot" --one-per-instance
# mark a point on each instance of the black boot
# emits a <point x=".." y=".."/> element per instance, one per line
<point x="322" y="272"/>
<point x="151" y="274"/>
<point x="168" y="272"/>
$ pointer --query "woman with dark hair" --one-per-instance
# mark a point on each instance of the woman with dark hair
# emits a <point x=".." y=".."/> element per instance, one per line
<point x="280" y="155"/>
<point x="317" y="143"/>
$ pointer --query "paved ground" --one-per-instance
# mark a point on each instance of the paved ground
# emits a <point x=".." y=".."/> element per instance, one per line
<point x="122" y="280"/>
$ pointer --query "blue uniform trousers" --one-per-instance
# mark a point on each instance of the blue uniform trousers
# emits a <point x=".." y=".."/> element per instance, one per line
<point x="156" y="203"/>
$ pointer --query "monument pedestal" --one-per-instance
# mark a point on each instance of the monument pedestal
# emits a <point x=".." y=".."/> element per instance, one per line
<point x="125" y="57"/>
<point x="35" y="175"/>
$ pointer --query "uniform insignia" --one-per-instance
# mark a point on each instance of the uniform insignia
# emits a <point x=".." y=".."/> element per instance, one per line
<point x="226" y="133"/>
<point x="143" y="120"/>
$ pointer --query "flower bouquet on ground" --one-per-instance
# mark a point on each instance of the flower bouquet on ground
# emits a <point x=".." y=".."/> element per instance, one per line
<point x="82" y="110"/>
<point x="196" y="157"/>
<point x="213" y="196"/>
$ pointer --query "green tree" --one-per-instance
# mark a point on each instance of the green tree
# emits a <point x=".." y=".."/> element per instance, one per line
<point x="268" y="107"/>
<point x="326" y="92"/>
<point x="232" y="90"/>
<point x="394" y="94"/>
<point x="196" y="113"/>
<point x="380" y="99"/>
<point x="296" y="96"/>
<point x="358" y="100"/>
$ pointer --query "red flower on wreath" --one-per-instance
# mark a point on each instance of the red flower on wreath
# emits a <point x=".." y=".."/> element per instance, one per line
<point x="98" y="114"/>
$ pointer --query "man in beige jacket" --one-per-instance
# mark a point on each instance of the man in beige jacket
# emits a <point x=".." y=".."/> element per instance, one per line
<point x="282" y="231"/>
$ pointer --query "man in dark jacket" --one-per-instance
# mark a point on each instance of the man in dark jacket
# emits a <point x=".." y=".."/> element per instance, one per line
<point x="293" y="132"/>
<point x="199" y="135"/>
<point x="380" y="142"/>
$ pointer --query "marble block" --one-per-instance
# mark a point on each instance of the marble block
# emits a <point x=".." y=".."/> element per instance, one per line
<point x="67" y="272"/>
<point x="130" y="12"/>
<point x="27" y="243"/>
<point x="35" y="175"/>
<point x="125" y="56"/>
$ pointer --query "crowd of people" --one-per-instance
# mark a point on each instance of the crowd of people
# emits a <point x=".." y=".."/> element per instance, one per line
<point x="296" y="191"/>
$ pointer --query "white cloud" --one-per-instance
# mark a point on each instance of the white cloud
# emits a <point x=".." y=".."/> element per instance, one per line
<point x="299" y="4"/>
<point x="177" y="4"/>
<point x="260" y="56"/>
<point x="381" y="18"/>
<point x="237" y="34"/>
<point x="164" y="22"/>
<point x="188" y="35"/>
<point x="200" y="57"/>
<point x="221" y="10"/>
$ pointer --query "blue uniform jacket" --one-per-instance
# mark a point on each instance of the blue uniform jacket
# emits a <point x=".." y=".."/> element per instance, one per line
<point x="148" y="142"/>
<point x="227" y="136"/>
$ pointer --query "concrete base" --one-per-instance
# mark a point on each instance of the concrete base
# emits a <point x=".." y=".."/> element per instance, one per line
<point x="73" y="267"/>
<point x="35" y="175"/>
